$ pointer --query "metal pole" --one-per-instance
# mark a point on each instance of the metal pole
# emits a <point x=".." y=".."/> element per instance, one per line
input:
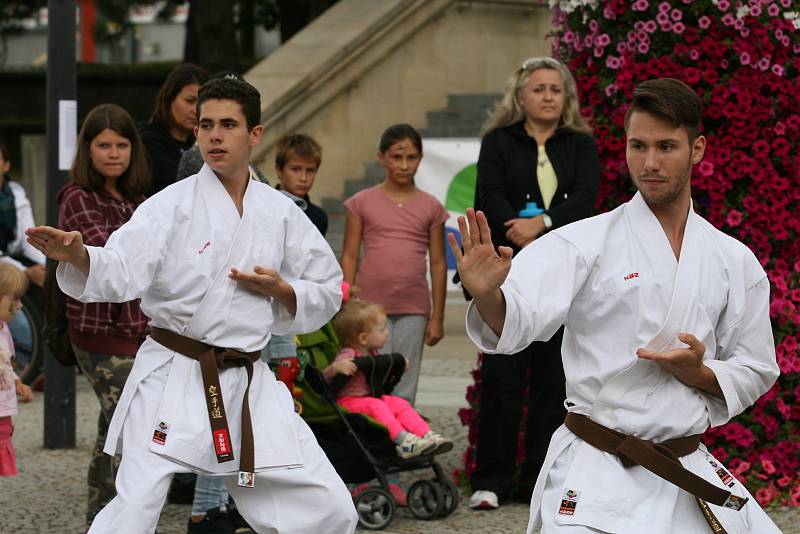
<point x="59" y="381"/>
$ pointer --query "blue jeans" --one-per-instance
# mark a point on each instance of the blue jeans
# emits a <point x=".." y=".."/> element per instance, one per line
<point x="209" y="493"/>
<point x="279" y="347"/>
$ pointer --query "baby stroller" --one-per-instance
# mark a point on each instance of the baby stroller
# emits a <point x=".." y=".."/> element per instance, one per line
<point x="360" y="449"/>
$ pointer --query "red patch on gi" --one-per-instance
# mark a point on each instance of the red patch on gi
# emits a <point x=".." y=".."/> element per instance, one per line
<point x="160" y="433"/>
<point x="222" y="445"/>
<point x="569" y="502"/>
<point x="726" y="477"/>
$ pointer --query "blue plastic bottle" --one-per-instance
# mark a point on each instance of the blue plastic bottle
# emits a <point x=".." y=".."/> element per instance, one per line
<point x="530" y="210"/>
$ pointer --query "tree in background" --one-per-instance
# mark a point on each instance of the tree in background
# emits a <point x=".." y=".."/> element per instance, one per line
<point x="742" y="57"/>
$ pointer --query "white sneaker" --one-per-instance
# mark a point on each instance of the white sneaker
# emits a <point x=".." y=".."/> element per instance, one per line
<point x="413" y="445"/>
<point x="442" y="443"/>
<point x="483" y="500"/>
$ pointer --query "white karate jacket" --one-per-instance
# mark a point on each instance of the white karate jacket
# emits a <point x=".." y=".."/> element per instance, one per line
<point x="616" y="285"/>
<point x="175" y="254"/>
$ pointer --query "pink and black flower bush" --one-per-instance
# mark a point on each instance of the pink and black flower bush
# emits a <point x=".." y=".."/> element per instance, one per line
<point x="743" y="59"/>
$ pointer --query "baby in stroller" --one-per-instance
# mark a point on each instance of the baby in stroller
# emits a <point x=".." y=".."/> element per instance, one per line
<point x="363" y="380"/>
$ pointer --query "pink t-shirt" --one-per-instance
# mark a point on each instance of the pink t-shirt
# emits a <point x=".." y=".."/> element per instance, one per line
<point x="8" y="390"/>
<point x="396" y="238"/>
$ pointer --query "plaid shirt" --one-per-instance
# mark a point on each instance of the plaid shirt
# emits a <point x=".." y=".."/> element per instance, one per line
<point x="106" y="328"/>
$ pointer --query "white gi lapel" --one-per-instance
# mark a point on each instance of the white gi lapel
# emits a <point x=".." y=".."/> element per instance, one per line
<point x="219" y="210"/>
<point x="623" y="402"/>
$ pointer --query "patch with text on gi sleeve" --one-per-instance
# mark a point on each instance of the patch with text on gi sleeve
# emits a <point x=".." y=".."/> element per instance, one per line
<point x="160" y="433"/>
<point x="569" y="502"/>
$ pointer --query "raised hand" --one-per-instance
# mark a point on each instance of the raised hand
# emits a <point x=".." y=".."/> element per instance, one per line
<point x="686" y="364"/>
<point x="481" y="268"/>
<point x="268" y="283"/>
<point x="60" y="245"/>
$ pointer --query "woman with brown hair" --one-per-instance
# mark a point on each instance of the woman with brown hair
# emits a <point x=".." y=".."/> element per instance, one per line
<point x="170" y="130"/>
<point x="109" y="179"/>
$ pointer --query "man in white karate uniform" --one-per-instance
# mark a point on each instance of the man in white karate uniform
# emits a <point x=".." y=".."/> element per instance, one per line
<point x="667" y="333"/>
<point x="220" y="263"/>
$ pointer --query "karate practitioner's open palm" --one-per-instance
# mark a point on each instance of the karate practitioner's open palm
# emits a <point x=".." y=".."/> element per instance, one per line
<point x="60" y="245"/>
<point x="686" y="364"/>
<point x="268" y="283"/>
<point x="481" y="268"/>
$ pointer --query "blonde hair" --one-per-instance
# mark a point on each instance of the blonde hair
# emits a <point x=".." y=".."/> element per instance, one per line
<point x="355" y="317"/>
<point x="508" y="110"/>
<point x="12" y="281"/>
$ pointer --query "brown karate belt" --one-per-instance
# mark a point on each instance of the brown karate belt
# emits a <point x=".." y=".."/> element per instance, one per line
<point x="212" y="359"/>
<point x="660" y="459"/>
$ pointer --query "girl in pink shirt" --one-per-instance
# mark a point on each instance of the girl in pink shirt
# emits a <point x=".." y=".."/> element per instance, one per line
<point x="399" y="226"/>
<point x="361" y="328"/>
<point x="13" y="284"/>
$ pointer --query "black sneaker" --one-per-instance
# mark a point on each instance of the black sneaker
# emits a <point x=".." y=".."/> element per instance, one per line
<point x="238" y="521"/>
<point x="215" y="522"/>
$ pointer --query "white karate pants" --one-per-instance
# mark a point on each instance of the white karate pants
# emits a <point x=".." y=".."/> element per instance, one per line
<point x="308" y="499"/>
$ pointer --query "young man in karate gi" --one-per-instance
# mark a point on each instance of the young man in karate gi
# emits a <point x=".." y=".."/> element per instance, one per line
<point x="225" y="261"/>
<point x="667" y="333"/>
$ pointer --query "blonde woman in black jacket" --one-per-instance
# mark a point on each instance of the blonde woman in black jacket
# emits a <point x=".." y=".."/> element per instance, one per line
<point x="536" y="148"/>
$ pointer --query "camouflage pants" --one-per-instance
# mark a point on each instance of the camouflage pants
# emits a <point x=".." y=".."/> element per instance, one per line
<point x="107" y="375"/>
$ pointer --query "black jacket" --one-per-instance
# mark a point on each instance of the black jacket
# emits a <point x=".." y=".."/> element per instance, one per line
<point x="163" y="153"/>
<point x="507" y="177"/>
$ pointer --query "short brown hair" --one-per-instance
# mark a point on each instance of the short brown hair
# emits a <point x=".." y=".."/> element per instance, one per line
<point x="12" y="281"/>
<point x="181" y="76"/>
<point x="297" y="146"/>
<point x="135" y="181"/>
<point x="671" y="100"/>
<point x="354" y="318"/>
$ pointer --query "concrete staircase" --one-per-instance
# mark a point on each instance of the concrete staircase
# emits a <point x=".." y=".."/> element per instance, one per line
<point x="462" y="117"/>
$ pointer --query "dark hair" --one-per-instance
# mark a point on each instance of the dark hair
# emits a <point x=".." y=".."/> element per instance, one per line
<point x="397" y="133"/>
<point x="135" y="181"/>
<point x="181" y="76"/>
<point x="239" y="91"/>
<point x="671" y="100"/>
<point x="298" y="146"/>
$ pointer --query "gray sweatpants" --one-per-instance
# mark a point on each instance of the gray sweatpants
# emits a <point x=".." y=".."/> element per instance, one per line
<point x="407" y="336"/>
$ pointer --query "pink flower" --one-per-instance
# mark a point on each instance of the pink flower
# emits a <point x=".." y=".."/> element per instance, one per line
<point x="773" y="10"/>
<point x="678" y="27"/>
<point x="768" y="466"/>
<point x="706" y="168"/>
<point x="603" y="39"/>
<point x="663" y="7"/>
<point x="662" y="18"/>
<point x="744" y="58"/>
<point x="640" y="5"/>
<point x="611" y="89"/>
<point x="643" y="48"/>
<point x="676" y="14"/>
<point x="613" y="62"/>
<point x="704" y="22"/>
<point x="723" y="5"/>
<point x="784" y="481"/>
<point x="694" y="54"/>
<point x="777" y="69"/>
<point x="734" y="219"/>
<point x="728" y="19"/>
<point x="745" y="32"/>
<point x="755" y="10"/>
<point x="763" y="63"/>
<point x="650" y="26"/>
<point x="786" y="3"/>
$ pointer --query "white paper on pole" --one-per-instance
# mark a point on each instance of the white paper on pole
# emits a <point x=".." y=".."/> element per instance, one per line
<point x="67" y="133"/>
<point x="447" y="171"/>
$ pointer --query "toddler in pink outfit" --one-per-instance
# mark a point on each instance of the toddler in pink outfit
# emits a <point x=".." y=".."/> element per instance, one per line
<point x="13" y="284"/>
<point x="361" y="327"/>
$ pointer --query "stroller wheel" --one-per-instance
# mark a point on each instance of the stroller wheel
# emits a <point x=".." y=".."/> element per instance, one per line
<point x="425" y="499"/>
<point x="451" y="497"/>
<point x="375" y="507"/>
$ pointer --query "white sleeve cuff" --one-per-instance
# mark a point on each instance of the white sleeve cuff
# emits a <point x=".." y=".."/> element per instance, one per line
<point x="721" y="410"/>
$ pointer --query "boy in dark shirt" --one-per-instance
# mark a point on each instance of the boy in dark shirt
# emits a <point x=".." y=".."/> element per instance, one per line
<point x="297" y="160"/>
